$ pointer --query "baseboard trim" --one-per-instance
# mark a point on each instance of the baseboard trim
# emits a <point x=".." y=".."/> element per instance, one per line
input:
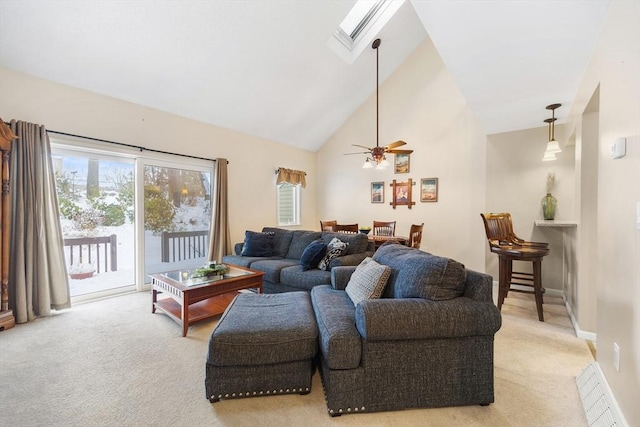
<point x="585" y="335"/>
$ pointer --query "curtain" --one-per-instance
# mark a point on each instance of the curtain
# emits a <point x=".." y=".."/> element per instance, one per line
<point x="291" y="176"/>
<point x="220" y="238"/>
<point x="38" y="279"/>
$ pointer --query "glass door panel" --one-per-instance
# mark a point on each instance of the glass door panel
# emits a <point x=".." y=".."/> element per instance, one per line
<point x="177" y="216"/>
<point x="97" y="215"/>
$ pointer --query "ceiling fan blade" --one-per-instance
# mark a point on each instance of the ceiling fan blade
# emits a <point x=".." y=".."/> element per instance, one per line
<point x="362" y="152"/>
<point x="362" y="146"/>
<point x="395" y="144"/>
<point x="399" y="151"/>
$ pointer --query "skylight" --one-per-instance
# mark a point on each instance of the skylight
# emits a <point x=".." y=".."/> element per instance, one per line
<point x="359" y="17"/>
<point x="361" y="25"/>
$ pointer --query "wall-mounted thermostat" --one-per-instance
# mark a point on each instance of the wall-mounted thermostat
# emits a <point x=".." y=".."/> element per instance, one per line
<point x="619" y="148"/>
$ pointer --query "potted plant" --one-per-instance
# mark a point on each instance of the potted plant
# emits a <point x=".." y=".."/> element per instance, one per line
<point x="81" y="271"/>
<point x="365" y="229"/>
<point x="210" y="271"/>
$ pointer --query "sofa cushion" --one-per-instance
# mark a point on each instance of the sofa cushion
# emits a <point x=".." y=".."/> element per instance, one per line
<point x="418" y="274"/>
<point x="298" y="278"/>
<point x="281" y="240"/>
<point x="273" y="267"/>
<point x="339" y="339"/>
<point x="368" y="281"/>
<point x="299" y="241"/>
<point x="313" y="254"/>
<point x="253" y="330"/>
<point x="356" y="243"/>
<point x="257" y="244"/>
<point x="335" y="248"/>
<point x="243" y="261"/>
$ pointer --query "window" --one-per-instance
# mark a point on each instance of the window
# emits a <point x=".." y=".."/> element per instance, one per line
<point x="288" y="204"/>
<point x="361" y="25"/>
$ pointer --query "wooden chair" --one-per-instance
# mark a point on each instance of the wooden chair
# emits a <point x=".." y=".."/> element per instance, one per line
<point x="384" y="228"/>
<point x="415" y="235"/>
<point x="509" y="248"/>
<point x="346" y="228"/>
<point x="328" y="225"/>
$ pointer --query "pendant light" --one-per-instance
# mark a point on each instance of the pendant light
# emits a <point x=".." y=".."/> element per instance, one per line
<point x="552" y="146"/>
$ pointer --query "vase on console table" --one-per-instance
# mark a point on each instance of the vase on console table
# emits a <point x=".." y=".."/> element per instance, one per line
<point x="549" y="204"/>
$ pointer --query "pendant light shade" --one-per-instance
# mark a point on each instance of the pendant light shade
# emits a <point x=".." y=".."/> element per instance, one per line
<point x="552" y="145"/>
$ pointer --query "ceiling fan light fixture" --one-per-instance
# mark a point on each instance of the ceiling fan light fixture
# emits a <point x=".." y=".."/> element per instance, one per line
<point x="383" y="163"/>
<point x="367" y="164"/>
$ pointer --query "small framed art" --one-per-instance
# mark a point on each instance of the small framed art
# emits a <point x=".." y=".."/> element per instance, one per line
<point x="429" y="190"/>
<point x="401" y="163"/>
<point x="377" y="192"/>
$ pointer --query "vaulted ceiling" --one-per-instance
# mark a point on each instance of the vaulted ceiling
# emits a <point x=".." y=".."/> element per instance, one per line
<point x="264" y="67"/>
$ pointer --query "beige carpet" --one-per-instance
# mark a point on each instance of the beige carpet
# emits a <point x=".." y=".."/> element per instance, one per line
<point x="113" y="363"/>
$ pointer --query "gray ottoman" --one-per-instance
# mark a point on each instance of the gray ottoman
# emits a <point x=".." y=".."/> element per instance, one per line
<point x="264" y="344"/>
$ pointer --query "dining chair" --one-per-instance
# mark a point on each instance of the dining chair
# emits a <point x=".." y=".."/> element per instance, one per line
<point x="346" y="228"/>
<point x="384" y="228"/>
<point x="328" y="225"/>
<point x="415" y="235"/>
<point x="509" y="247"/>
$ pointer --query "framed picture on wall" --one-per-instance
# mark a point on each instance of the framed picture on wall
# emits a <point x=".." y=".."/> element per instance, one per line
<point x="401" y="193"/>
<point x="401" y="163"/>
<point x="377" y="192"/>
<point x="429" y="190"/>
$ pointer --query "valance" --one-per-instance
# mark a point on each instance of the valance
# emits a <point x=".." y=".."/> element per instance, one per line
<point x="291" y="176"/>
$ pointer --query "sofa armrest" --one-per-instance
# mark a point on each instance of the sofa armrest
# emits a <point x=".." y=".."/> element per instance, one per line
<point x="340" y="276"/>
<point x="416" y="318"/>
<point x="351" y="259"/>
<point x="238" y="248"/>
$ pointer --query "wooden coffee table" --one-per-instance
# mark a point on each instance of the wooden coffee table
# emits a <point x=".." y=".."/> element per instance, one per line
<point x="194" y="300"/>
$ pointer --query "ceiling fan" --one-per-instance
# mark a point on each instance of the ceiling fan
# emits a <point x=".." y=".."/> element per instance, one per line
<point x="377" y="154"/>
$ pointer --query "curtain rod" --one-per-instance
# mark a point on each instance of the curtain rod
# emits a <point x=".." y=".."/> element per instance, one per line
<point x="138" y="147"/>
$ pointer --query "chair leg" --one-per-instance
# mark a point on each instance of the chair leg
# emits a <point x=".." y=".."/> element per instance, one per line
<point x="537" y="287"/>
<point x="503" y="284"/>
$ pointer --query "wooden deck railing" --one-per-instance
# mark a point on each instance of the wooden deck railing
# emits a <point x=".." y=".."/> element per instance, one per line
<point x="99" y="251"/>
<point x="181" y="245"/>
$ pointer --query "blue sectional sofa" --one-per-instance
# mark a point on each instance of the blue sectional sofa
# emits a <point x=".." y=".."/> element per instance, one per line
<point x="428" y="342"/>
<point x="282" y="265"/>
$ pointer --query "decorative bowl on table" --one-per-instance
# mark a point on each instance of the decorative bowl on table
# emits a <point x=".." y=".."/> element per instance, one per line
<point x="365" y="230"/>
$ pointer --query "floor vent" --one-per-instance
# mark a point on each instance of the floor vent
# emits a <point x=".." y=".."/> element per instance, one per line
<point x="599" y="405"/>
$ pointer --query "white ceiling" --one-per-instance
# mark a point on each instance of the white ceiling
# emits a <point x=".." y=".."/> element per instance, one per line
<point x="264" y="67"/>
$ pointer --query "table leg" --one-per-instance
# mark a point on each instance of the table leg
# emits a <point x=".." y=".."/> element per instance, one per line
<point x="154" y="299"/>
<point x="185" y="315"/>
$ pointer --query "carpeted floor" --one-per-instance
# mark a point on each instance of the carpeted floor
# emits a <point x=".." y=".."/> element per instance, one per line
<point x="113" y="363"/>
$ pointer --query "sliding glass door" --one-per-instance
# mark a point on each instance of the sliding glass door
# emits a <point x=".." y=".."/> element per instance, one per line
<point x="126" y="215"/>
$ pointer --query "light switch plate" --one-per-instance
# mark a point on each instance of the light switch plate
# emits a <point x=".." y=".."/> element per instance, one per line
<point x="619" y="148"/>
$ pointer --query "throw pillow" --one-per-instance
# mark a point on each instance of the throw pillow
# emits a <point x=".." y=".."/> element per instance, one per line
<point x="368" y="281"/>
<point x="257" y="244"/>
<point x="335" y="248"/>
<point x="313" y="254"/>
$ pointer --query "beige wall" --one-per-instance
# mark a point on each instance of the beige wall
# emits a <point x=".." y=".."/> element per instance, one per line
<point x="421" y="105"/>
<point x="252" y="160"/>
<point x="615" y="69"/>
<point x="516" y="183"/>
